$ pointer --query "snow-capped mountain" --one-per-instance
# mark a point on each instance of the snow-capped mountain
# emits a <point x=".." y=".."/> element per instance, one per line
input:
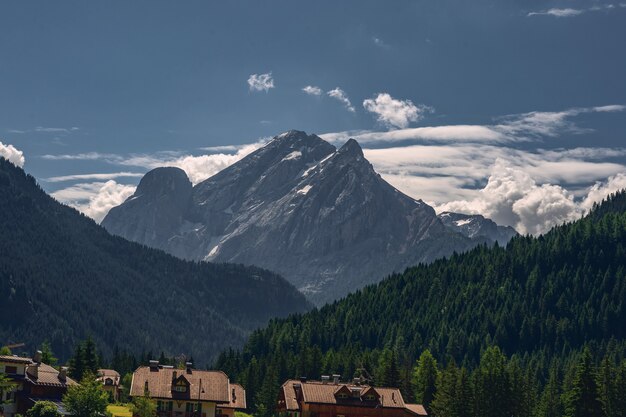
<point x="477" y="226"/>
<point x="320" y="216"/>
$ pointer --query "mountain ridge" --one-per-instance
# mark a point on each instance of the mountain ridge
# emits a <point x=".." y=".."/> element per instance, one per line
<point x="320" y="216"/>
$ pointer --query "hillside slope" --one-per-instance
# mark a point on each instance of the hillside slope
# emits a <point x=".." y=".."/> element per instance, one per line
<point x="63" y="277"/>
<point x="545" y="297"/>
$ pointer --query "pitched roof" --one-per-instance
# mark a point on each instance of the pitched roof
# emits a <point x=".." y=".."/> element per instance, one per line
<point x="14" y="359"/>
<point x="237" y="397"/>
<point x="203" y="385"/>
<point x="417" y="409"/>
<point x="42" y="374"/>
<point x="324" y="393"/>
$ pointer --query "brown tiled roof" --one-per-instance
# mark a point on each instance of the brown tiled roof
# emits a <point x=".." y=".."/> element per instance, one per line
<point x="14" y="359"/>
<point x="324" y="393"/>
<point x="239" y="399"/>
<point x="203" y="385"/>
<point x="417" y="409"/>
<point x="46" y="375"/>
<point x="108" y="373"/>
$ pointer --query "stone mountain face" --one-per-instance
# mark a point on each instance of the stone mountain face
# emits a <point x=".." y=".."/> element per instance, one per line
<point x="321" y="217"/>
<point x="477" y="226"/>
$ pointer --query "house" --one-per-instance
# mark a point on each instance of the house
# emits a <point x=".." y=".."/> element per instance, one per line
<point x="326" y="398"/>
<point x="188" y="392"/>
<point x="35" y="381"/>
<point x="110" y="380"/>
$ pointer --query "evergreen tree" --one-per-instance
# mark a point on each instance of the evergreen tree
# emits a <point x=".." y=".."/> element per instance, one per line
<point x="425" y="379"/>
<point x="550" y="403"/>
<point x="91" y="362"/>
<point x="77" y="364"/>
<point x="620" y="391"/>
<point x="492" y="391"/>
<point x="583" y="398"/>
<point x="445" y="402"/>
<point x="47" y="356"/>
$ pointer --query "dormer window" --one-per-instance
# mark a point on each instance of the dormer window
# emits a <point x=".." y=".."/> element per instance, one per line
<point x="108" y="381"/>
<point x="180" y="385"/>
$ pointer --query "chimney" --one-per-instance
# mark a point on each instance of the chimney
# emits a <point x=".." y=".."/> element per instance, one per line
<point x="356" y="381"/>
<point x="325" y="379"/>
<point x="303" y="379"/>
<point x="154" y="365"/>
<point x="63" y="374"/>
<point x="33" y="370"/>
<point x="37" y="357"/>
<point x="189" y="366"/>
<point x="336" y="378"/>
<point x="174" y="375"/>
<point x="234" y="396"/>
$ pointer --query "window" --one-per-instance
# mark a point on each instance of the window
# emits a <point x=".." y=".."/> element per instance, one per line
<point x="108" y="381"/>
<point x="159" y="405"/>
<point x="189" y="407"/>
<point x="10" y="369"/>
<point x="343" y="396"/>
<point x="180" y="388"/>
<point x="370" y="397"/>
<point x="170" y="406"/>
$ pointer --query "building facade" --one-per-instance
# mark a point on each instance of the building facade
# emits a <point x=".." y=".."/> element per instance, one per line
<point x="111" y="383"/>
<point x="35" y="381"/>
<point x="326" y="398"/>
<point x="188" y="392"/>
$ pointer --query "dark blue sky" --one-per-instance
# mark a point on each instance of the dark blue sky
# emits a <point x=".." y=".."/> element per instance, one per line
<point x="139" y="77"/>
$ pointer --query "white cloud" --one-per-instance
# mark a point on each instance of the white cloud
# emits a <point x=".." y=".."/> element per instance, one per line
<point x="99" y="176"/>
<point x="95" y="199"/>
<point x="602" y="189"/>
<point x="566" y="12"/>
<point x="312" y="90"/>
<point x="12" y="154"/>
<point x="395" y="113"/>
<point x="198" y="168"/>
<point x="508" y="129"/>
<point x="87" y="156"/>
<point x="261" y="82"/>
<point x="570" y="12"/>
<point x="512" y="197"/>
<point x="340" y="95"/>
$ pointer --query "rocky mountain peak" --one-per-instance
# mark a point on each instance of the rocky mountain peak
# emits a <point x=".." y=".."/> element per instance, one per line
<point x="351" y="148"/>
<point x="163" y="182"/>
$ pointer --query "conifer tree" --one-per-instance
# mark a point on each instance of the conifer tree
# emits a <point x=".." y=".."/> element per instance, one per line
<point x="425" y="379"/>
<point x="583" y="398"/>
<point x="550" y="403"/>
<point x="445" y="399"/>
<point x="47" y="356"/>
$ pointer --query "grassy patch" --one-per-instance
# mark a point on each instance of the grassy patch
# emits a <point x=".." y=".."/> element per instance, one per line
<point x="119" y="411"/>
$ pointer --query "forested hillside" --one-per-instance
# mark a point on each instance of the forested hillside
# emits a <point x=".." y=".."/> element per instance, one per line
<point x="540" y="300"/>
<point x="63" y="277"/>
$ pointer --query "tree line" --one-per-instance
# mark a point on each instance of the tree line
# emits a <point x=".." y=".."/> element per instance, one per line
<point x="540" y="300"/>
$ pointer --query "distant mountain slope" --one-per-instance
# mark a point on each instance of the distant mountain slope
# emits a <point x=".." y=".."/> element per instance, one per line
<point x="541" y="298"/>
<point x="477" y="226"/>
<point x="63" y="277"/>
<point x="321" y="217"/>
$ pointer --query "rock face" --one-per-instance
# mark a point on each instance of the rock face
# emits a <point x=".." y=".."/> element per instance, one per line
<point x="321" y="217"/>
<point x="476" y="226"/>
